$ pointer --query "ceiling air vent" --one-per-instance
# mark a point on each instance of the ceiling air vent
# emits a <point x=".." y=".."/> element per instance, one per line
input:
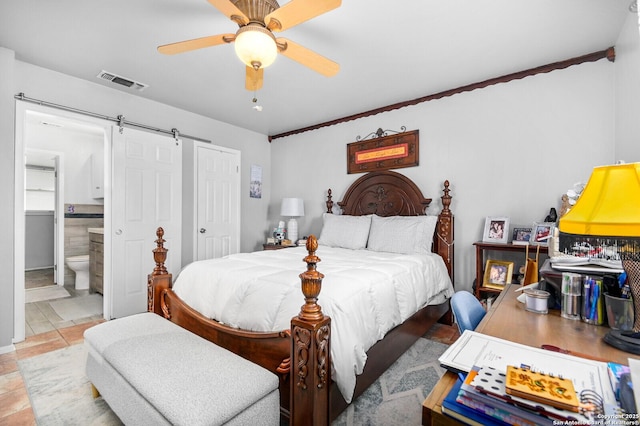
<point x="123" y="81"/>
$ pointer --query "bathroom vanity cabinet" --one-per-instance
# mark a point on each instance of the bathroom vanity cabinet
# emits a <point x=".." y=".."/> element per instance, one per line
<point x="96" y="261"/>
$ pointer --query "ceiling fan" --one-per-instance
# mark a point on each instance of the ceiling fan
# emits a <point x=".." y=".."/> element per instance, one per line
<point x="255" y="43"/>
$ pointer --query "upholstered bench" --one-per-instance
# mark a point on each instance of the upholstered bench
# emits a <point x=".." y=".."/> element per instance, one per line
<point x="151" y="371"/>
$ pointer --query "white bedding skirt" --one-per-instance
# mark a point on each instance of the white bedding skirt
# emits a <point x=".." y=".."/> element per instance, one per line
<point x="366" y="294"/>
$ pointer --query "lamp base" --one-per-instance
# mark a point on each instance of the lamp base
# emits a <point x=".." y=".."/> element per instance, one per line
<point x="627" y="341"/>
<point x="292" y="230"/>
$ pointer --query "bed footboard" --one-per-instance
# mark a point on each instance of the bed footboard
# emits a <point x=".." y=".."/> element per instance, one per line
<point x="305" y="382"/>
<point x="269" y="350"/>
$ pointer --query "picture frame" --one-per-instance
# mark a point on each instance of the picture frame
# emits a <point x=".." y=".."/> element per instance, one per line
<point x="497" y="274"/>
<point x="496" y="229"/>
<point x="384" y="151"/>
<point x="541" y="232"/>
<point x="521" y="235"/>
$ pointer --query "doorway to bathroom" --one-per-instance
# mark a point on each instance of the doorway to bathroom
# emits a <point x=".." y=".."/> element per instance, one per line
<point x="62" y="158"/>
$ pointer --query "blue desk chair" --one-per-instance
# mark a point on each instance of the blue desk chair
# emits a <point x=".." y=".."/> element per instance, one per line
<point x="467" y="310"/>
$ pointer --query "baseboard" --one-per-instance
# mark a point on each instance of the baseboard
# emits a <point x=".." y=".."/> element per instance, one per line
<point x="38" y="268"/>
<point x="7" y="349"/>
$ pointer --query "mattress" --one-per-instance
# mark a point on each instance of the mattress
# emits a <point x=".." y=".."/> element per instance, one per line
<point x="366" y="293"/>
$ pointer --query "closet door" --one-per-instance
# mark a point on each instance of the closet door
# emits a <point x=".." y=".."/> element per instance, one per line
<point x="217" y="202"/>
<point x="146" y="194"/>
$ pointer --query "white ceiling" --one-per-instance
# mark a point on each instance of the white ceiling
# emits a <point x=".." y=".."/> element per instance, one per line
<point x="388" y="52"/>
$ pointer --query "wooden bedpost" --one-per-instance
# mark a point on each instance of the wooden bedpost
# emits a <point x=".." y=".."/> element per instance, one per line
<point x="159" y="279"/>
<point x="444" y="231"/>
<point x="310" y="350"/>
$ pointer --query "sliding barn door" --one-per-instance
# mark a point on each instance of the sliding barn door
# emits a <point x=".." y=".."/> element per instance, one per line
<point x="217" y="202"/>
<point x="146" y="194"/>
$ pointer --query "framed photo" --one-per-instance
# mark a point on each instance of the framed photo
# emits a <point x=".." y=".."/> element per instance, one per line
<point x="496" y="230"/>
<point x="541" y="232"/>
<point x="521" y="235"/>
<point x="497" y="274"/>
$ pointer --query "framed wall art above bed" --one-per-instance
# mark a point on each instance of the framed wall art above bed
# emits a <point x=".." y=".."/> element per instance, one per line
<point x="383" y="151"/>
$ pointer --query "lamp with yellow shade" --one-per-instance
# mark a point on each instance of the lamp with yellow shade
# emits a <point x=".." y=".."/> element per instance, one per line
<point x="608" y="214"/>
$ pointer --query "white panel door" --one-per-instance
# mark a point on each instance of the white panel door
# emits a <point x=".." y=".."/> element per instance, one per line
<point x="146" y="194"/>
<point x="217" y="202"/>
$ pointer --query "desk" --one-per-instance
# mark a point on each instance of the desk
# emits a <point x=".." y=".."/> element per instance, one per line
<point x="507" y="319"/>
<point x="481" y="247"/>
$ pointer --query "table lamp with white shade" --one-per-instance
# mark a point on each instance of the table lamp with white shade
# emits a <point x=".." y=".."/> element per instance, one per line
<point x="292" y="208"/>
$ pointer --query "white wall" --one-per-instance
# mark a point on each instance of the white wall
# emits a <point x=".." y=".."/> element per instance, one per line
<point x="508" y="150"/>
<point x="628" y="91"/>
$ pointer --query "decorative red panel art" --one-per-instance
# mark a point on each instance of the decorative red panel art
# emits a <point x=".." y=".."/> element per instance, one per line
<point x="383" y="153"/>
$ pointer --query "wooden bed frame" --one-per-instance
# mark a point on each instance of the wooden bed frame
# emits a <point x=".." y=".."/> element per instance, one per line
<point x="300" y="355"/>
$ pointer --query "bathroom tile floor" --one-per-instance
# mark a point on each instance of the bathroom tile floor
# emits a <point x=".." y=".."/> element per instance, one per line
<point x="40" y="316"/>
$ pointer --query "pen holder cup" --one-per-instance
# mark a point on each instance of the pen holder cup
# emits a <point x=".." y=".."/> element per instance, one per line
<point x="619" y="312"/>
<point x="592" y="301"/>
<point x="571" y="305"/>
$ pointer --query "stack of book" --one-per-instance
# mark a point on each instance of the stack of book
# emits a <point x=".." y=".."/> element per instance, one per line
<point x="520" y="397"/>
<point x="504" y="383"/>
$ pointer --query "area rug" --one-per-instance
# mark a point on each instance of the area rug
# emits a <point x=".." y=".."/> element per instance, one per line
<point x="60" y="392"/>
<point x="49" y="292"/>
<point x="78" y="307"/>
<point x="396" y="397"/>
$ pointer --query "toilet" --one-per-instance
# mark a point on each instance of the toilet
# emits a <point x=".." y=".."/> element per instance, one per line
<point x="80" y="265"/>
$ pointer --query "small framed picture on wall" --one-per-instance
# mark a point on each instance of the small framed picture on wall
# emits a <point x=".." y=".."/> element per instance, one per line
<point x="496" y="229"/>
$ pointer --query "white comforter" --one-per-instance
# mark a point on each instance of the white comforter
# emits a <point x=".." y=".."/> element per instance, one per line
<point x="365" y="293"/>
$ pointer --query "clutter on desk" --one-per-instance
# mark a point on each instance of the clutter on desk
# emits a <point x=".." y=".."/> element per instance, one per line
<point x="579" y="390"/>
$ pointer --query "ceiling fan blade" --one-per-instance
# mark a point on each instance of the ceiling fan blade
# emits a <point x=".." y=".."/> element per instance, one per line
<point x="254" y="79"/>
<point x="230" y="11"/>
<point x="308" y="58"/>
<point x="297" y="11"/>
<point x="196" y="43"/>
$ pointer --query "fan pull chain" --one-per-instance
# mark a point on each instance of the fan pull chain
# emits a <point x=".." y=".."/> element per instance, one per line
<point x="255" y="101"/>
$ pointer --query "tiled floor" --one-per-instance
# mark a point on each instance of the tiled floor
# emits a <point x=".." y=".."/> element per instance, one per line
<point x="15" y="408"/>
<point x="39" y="316"/>
<point x="446" y="334"/>
<point x="45" y="332"/>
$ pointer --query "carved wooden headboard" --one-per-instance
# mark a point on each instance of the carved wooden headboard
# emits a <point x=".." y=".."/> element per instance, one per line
<point x="388" y="193"/>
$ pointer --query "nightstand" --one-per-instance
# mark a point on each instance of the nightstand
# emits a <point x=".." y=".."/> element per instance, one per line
<point x="274" y="246"/>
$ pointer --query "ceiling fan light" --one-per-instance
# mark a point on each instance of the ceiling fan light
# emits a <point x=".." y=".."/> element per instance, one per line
<point x="256" y="46"/>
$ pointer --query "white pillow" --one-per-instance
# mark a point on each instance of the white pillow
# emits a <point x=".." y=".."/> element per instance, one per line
<point x="402" y="234"/>
<point x="344" y="231"/>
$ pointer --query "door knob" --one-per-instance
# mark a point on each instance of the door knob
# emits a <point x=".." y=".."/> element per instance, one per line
<point x="119" y="232"/>
<point x="202" y="230"/>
